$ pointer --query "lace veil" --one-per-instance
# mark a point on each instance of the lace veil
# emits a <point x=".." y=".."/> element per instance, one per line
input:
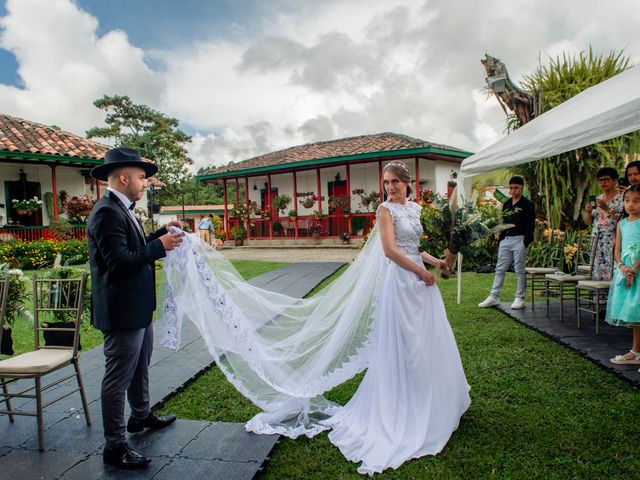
<point x="280" y="352"/>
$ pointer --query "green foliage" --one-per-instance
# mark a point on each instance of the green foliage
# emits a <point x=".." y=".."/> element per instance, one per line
<point x="62" y="229"/>
<point x="153" y="133"/>
<point x="42" y="253"/>
<point x="281" y="202"/>
<point x="562" y="183"/>
<point x="237" y="233"/>
<point x="470" y="235"/>
<point x="18" y="294"/>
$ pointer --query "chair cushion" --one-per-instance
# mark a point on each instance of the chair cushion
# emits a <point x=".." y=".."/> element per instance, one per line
<point x="594" y="284"/>
<point x="540" y="270"/>
<point x="566" y="278"/>
<point x="39" y="361"/>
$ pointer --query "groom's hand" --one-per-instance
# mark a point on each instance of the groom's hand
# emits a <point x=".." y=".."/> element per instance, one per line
<point x="171" y="240"/>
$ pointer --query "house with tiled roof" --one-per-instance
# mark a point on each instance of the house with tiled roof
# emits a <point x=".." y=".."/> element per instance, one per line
<point x="341" y="178"/>
<point x="47" y="163"/>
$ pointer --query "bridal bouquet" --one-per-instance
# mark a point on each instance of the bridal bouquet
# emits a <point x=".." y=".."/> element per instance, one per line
<point x="455" y="228"/>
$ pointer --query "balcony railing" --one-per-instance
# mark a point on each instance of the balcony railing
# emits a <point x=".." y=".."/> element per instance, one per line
<point x="32" y="234"/>
<point x="332" y="226"/>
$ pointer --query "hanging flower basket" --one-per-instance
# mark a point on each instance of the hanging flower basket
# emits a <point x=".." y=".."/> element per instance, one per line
<point x="24" y="212"/>
<point x="26" y="207"/>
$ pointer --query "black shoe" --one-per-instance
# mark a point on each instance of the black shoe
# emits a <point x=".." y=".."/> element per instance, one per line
<point x="152" y="422"/>
<point x="123" y="456"/>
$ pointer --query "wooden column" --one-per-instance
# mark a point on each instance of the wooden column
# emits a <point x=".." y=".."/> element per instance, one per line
<point x="380" y="181"/>
<point x="246" y="198"/>
<point x="295" y="201"/>
<point x="237" y="192"/>
<point x="98" y="188"/>
<point x="226" y="210"/>
<point x="417" y="179"/>
<point x="54" y="190"/>
<point x="348" y="167"/>
<point x="319" y="187"/>
<point x="269" y="205"/>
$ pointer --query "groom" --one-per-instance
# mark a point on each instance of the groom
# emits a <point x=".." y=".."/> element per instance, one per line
<point x="123" y="298"/>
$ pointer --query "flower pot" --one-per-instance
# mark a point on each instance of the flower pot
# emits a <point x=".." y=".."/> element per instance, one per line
<point x="24" y="212"/>
<point x="293" y="219"/>
<point x="6" y="347"/>
<point x="238" y="242"/>
<point x="345" y="242"/>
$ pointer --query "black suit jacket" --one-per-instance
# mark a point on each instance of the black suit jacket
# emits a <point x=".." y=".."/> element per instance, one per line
<point x="123" y="291"/>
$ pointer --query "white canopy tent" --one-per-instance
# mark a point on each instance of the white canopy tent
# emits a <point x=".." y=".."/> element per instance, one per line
<point x="604" y="111"/>
<point x="607" y="110"/>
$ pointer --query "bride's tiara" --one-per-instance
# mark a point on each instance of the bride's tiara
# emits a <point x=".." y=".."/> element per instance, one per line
<point x="397" y="164"/>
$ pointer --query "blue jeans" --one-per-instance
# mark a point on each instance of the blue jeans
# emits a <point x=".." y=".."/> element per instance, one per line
<point x="511" y="249"/>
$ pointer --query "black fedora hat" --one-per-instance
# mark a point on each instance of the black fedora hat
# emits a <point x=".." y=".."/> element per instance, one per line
<point x="122" y="157"/>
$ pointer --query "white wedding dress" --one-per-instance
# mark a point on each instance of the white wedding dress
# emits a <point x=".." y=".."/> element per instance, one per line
<point x="283" y="353"/>
<point x="415" y="391"/>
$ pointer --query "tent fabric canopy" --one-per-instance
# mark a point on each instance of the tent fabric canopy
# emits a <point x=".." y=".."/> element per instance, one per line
<point x="607" y="110"/>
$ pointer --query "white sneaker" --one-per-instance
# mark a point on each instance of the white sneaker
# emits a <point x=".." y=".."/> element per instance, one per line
<point x="489" y="302"/>
<point x="518" y="304"/>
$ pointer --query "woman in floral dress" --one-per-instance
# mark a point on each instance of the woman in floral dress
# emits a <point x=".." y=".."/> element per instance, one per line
<point x="604" y="219"/>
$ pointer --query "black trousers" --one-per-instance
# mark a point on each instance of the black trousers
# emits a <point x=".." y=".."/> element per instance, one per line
<point x="127" y="356"/>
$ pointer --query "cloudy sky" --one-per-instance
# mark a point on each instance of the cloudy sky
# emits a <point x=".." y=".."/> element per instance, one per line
<point x="245" y="77"/>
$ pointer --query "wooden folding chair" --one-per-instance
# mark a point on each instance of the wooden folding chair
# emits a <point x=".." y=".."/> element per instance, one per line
<point x="4" y="293"/>
<point x="595" y="293"/>
<point x="563" y="286"/>
<point x="53" y="300"/>
<point x="534" y="276"/>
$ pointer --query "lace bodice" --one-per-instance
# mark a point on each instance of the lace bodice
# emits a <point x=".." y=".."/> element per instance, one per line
<point x="406" y="225"/>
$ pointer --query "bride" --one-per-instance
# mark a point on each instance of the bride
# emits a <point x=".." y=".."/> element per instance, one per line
<point x="384" y="314"/>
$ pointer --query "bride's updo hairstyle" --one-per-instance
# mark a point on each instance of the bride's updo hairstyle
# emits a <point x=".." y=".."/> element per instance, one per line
<point x="400" y="170"/>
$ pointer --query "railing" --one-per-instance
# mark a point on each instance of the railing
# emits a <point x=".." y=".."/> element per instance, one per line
<point x="32" y="234"/>
<point x="332" y="226"/>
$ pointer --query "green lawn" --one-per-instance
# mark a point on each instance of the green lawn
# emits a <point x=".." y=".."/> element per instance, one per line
<point x="89" y="336"/>
<point x="538" y="410"/>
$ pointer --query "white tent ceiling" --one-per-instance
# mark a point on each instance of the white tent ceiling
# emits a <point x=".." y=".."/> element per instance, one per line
<point x="604" y="111"/>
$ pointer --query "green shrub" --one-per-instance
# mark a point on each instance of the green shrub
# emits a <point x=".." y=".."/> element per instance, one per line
<point x="42" y="253"/>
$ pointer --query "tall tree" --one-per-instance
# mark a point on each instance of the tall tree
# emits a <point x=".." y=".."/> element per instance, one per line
<point x="559" y="185"/>
<point x="153" y="133"/>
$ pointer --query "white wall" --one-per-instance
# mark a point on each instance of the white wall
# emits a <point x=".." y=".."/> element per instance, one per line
<point x="67" y="178"/>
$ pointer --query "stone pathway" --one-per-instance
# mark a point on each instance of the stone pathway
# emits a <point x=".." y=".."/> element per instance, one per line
<point x="584" y="341"/>
<point x="188" y="449"/>
<point x="282" y="254"/>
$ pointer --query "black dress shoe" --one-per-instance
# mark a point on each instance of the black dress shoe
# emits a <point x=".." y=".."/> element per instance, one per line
<point x="152" y="422"/>
<point x="123" y="456"/>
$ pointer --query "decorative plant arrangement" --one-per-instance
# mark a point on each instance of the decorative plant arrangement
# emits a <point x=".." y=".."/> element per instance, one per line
<point x="308" y="199"/>
<point x="26" y="207"/>
<point x="79" y="208"/>
<point x="369" y="201"/>
<point x="339" y="204"/>
<point x="281" y="202"/>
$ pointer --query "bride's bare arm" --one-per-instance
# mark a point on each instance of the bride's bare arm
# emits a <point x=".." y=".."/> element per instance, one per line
<point x="393" y="253"/>
<point x="433" y="261"/>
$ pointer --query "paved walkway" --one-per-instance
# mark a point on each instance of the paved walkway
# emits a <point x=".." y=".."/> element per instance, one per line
<point x="584" y="341"/>
<point x="280" y="254"/>
<point x="188" y="449"/>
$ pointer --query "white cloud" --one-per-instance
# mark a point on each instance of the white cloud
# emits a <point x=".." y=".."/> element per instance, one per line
<point x="64" y="66"/>
<point x="309" y="71"/>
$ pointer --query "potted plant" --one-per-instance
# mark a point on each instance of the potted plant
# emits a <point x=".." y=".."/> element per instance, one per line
<point x="319" y="214"/>
<point x="281" y="202"/>
<point x="345" y="237"/>
<point x="293" y="215"/>
<point x="26" y="207"/>
<point x="315" y="228"/>
<point x="237" y="233"/>
<point x="79" y="208"/>
<point x="309" y="199"/>
<point x="19" y="288"/>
